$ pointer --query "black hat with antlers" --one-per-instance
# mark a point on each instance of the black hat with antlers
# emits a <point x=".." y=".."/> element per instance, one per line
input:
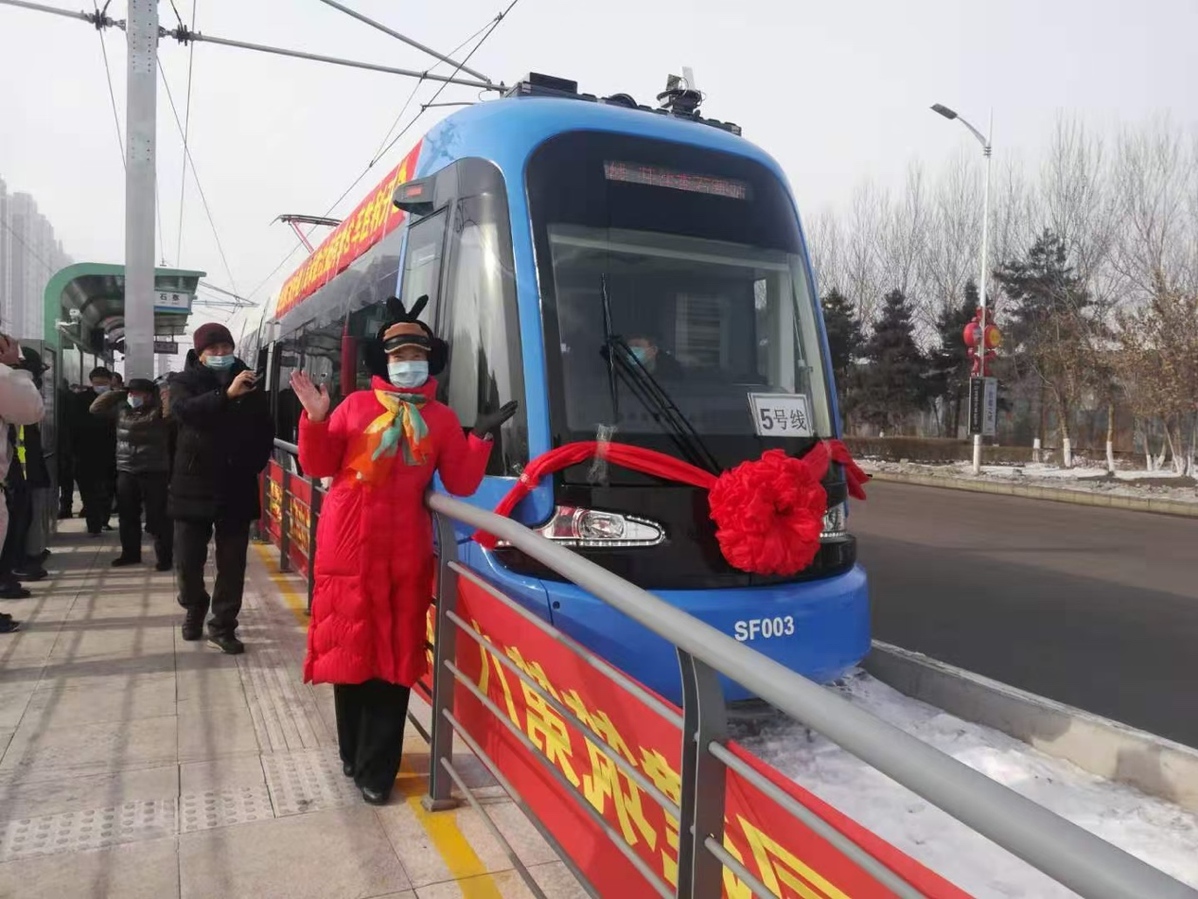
<point x="401" y="329"/>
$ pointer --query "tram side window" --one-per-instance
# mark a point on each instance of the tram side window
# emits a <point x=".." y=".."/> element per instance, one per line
<point x="422" y="265"/>
<point x="481" y="324"/>
<point x="287" y="410"/>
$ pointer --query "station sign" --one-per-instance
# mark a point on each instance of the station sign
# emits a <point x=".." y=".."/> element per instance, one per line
<point x="173" y="301"/>
<point x="166" y="347"/>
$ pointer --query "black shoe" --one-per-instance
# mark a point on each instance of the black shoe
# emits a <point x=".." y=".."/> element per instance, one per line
<point x="347" y="769"/>
<point x="92" y="533"/>
<point x="193" y="630"/>
<point x="9" y="626"/>
<point x="13" y="590"/>
<point x="107" y="527"/>
<point x="123" y="561"/>
<point x="229" y="644"/>
<point x="64" y="514"/>
<point x="29" y="573"/>
<point x="164" y="565"/>
<point x="374" y="797"/>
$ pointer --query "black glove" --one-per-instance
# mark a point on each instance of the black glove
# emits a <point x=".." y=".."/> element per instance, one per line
<point x="489" y="421"/>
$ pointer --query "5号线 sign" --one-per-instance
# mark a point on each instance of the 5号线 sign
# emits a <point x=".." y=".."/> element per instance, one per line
<point x="781" y="414"/>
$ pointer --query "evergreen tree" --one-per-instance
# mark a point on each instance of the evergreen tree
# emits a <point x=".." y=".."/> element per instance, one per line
<point x="844" y="334"/>
<point x="1052" y="329"/>
<point x="894" y="385"/>
<point x="948" y="364"/>
<point x="844" y="346"/>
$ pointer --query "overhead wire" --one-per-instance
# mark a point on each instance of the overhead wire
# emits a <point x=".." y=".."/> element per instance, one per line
<point x="191" y="47"/>
<point x="116" y="118"/>
<point x="196" y="175"/>
<point x="488" y="28"/>
<point x="489" y="31"/>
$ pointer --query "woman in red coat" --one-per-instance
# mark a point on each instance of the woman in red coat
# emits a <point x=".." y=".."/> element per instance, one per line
<point x="374" y="543"/>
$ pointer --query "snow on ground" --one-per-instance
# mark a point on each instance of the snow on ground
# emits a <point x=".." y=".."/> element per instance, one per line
<point x="1157" y="832"/>
<point x="1131" y="483"/>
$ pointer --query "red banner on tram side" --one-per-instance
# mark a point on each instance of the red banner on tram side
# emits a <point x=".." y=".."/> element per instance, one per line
<point x="373" y="219"/>
<point x="784" y="854"/>
<point x="299" y="515"/>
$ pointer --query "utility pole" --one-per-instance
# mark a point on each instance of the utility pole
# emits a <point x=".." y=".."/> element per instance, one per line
<point x="141" y="29"/>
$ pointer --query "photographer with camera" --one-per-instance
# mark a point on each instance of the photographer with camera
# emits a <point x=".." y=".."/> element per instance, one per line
<point x="225" y="438"/>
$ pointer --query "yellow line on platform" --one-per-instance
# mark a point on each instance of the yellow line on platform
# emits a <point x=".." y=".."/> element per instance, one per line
<point x="463" y="863"/>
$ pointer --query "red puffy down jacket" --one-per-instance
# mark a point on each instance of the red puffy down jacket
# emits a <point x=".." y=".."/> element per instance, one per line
<point x="374" y="543"/>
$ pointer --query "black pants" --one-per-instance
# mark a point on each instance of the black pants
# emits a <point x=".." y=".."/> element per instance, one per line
<point x="12" y="556"/>
<point x="66" y="484"/>
<point x="96" y="489"/>
<point x="191" y="555"/>
<point x="370" y="725"/>
<point x="133" y="491"/>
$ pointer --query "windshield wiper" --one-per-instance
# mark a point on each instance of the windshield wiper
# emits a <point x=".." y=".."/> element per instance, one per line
<point x="653" y="397"/>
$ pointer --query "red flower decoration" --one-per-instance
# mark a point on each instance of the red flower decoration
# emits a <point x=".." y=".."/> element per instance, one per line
<point x="769" y="514"/>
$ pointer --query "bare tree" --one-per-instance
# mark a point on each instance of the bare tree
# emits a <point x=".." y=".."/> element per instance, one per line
<point x="825" y="240"/>
<point x="864" y="238"/>
<point x="955" y="238"/>
<point x="1153" y="180"/>
<point x="1158" y="363"/>
<point x="1079" y="204"/>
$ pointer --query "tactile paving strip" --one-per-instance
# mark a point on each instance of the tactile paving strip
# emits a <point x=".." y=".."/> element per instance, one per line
<point x="307" y="780"/>
<point x="90" y="829"/>
<point x="204" y="811"/>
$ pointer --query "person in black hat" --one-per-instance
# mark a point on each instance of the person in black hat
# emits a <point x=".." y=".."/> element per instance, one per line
<point x="374" y="546"/>
<point x="142" y="463"/>
<point x="225" y="438"/>
<point x="94" y="449"/>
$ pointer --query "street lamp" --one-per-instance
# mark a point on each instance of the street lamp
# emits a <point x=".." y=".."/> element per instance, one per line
<point x="984" y="140"/>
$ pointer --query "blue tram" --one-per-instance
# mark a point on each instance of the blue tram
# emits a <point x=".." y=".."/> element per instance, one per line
<point x="549" y="228"/>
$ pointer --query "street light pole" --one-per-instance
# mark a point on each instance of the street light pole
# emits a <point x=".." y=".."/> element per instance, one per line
<point x="984" y="140"/>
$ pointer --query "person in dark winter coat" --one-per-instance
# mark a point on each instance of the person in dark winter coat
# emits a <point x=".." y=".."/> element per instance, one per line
<point x="94" y="449"/>
<point x="225" y="438"/>
<point x="143" y="465"/>
<point x="374" y="548"/>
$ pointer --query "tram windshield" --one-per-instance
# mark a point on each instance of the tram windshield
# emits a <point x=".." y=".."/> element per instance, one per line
<point x="676" y="298"/>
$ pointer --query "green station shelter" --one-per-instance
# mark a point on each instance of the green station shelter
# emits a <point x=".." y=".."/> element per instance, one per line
<point x="85" y="315"/>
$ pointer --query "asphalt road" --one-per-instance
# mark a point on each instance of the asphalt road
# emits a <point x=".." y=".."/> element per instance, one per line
<point x="1097" y="608"/>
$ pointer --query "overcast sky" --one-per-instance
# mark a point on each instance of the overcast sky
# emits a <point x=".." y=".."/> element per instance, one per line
<point x="836" y="91"/>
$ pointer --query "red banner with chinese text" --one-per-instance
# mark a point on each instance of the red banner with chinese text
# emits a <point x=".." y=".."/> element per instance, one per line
<point x="373" y="219"/>
<point x="788" y="857"/>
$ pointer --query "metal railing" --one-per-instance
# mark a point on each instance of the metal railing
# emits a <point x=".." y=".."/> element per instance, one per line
<point x="1060" y="849"/>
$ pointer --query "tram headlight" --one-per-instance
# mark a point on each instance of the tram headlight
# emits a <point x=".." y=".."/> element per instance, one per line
<point x="571" y="526"/>
<point x="835" y="521"/>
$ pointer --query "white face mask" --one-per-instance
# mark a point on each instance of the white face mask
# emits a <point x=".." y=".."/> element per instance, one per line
<point x="408" y="374"/>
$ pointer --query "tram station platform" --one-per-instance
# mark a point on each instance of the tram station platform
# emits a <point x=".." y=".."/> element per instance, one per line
<point x="134" y="764"/>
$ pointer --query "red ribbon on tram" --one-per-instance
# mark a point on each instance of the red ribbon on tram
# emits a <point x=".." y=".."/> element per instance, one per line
<point x="769" y="512"/>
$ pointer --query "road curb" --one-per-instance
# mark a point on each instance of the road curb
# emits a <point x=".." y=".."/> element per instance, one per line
<point x="1051" y="494"/>
<point x="1106" y="748"/>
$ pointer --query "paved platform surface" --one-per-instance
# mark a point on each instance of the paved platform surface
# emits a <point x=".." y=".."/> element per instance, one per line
<point x="134" y="764"/>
